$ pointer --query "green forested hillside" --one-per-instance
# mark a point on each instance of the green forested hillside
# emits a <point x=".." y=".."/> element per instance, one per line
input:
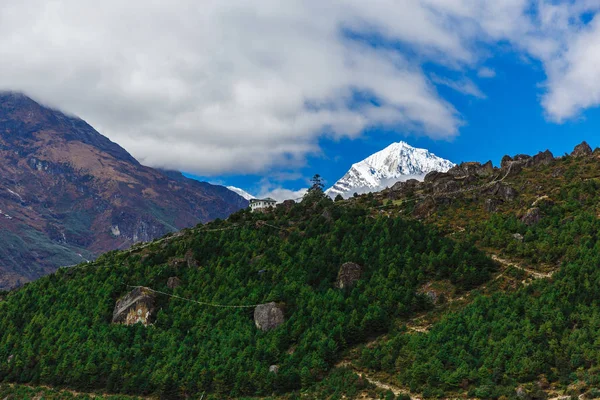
<point x="58" y="330"/>
<point x="431" y="314"/>
<point x="544" y="335"/>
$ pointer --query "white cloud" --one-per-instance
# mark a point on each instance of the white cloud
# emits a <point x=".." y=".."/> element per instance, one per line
<point x="236" y="86"/>
<point x="485" y="72"/>
<point x="242" y="86"/>
<point x="464" y="86"/>
<point x="281" y="194"/>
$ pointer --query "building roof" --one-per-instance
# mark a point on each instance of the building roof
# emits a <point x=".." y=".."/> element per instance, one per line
<point x="267" y="200"/>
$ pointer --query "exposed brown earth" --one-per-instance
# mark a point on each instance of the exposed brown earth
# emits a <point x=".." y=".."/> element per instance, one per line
<point x="67" y="193"/>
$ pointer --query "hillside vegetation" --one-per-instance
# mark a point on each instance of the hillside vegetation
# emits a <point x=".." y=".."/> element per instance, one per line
<point x="432" y="314"/>
<point x="58" y="330"/>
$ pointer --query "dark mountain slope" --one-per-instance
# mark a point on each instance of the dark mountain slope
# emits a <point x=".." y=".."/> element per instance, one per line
<point x="67" y="193"/>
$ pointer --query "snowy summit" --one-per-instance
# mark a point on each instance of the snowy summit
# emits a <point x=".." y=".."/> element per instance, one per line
<point x="397" y="162"/>
<point x="241" y="192"/>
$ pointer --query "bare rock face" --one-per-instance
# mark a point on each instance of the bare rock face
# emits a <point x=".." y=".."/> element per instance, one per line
<point x="491" y="205"/>
<point x="407" y="186"/>
<point x="465" y="169"/>
<point x="532" y="216"/>
<point x="136" y="306"/>
<point x="582" y="150"/>
<point x="486" y="169"/>
<point x="521" y="157"/>
<point x="504" y="191"/>
<point x="506" y="161"/>
<point x="445" y="186"/>
<point x="542" y="158"/>
<point x="268" y="316"/>
<point x="436" y="176"/>
<point x="348" y="274"/>
<point x="173" y="282"/>
<point x="177" y="263"/>
<point x="190" y="260"/>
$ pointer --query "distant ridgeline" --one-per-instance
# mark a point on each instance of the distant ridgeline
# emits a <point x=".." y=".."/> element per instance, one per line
<point x="59" y="331"/>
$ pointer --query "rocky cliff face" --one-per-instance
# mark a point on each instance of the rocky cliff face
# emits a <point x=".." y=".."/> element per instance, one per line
<point x="67" y="193"/>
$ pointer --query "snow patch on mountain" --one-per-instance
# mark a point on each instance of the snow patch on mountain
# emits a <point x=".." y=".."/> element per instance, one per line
<point x="241" y="192"/>
<point x="397" y="162"/>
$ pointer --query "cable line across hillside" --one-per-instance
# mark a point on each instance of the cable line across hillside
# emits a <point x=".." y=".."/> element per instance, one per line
<point x="202" y="303"/>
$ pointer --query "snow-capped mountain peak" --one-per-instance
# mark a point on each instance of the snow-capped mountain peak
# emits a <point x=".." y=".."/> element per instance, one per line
<point x="397" y="162"/>
<point x="241" y="192"/>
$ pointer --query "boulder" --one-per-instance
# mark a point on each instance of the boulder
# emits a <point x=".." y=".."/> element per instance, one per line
<point x="348" y="274"/>
<point x="177" y="262"/>
<point x="274" y="369"/>
<point x="136" y="306"/>
<point x="491" y="205"/>
<point x="432" y="295"/>
<point x="190" y="260"/>
<point x="269" y="316"/>
<point x="505" y="192"/>
<point x="173" y="282"/>
<point x="518" y="237"/>
<point x="327" y="215"/>
<point x="582" y="150"/>
<point x="532" y="216"/>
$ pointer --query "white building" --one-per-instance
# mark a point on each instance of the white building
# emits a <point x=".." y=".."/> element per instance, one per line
<point x="259" y="204"/>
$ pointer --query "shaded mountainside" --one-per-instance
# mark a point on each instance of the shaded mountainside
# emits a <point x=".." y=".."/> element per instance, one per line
<point x="67" y="193"/>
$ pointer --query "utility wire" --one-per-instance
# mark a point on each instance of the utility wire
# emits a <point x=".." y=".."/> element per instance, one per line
<point x="202" y="303"/>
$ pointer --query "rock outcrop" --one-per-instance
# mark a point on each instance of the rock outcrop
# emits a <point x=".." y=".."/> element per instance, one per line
<point x="269" y="316"/>
<point x="503" y="191"/>
<point x="348" y="274"/>
<point x="136" y="306"/>
<point x="532" y="216"/>
<point x="173" y="282"/>
<point x="582" y="150"/>
<point x="274" y="369"/>
<point x="491" y="205"/>
<point x="542" y="158"/>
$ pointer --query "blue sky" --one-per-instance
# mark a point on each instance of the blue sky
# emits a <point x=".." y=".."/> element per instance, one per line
<point x="263" y="94"/>
<point x="508" y="119"/>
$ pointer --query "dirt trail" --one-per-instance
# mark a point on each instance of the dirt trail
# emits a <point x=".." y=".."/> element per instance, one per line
<point x="381" y="385"/>
<point x="534" y="274"/>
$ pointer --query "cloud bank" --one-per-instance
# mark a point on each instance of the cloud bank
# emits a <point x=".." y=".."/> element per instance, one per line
<point x="238" y="86"/>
